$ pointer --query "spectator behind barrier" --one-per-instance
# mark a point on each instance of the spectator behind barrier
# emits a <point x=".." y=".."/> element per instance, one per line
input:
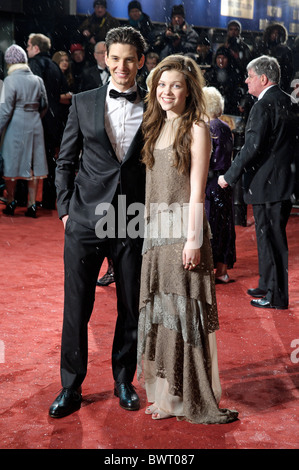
<point x="236" y="45"/>
<point x="142" y="22"/>
<point x="228" y="79"/>
<point x="274" y="44"/>
<point x="95" y="27"/>
<point x="179" y="37"/>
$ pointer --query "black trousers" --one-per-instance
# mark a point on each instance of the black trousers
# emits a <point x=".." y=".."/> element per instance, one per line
<point x="270" y="224"/>
<point x="83" y="256"/>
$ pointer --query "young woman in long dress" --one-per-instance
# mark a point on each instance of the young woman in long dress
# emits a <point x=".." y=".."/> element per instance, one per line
<point x="177" y="353"/>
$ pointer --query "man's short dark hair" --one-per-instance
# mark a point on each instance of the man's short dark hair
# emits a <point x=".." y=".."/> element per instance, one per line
<point x="126" y="35"/>
<point x="40" y="40"/>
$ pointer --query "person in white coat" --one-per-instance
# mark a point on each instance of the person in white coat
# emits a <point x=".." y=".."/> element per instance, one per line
<point x="23" y="103"/>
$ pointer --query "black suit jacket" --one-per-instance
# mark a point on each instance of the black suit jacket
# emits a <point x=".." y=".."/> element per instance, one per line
<point x="267" y="158"/>
<point x="91" y="78"/>
<point x="100" y="174"/>
<point x="55" y="84"/>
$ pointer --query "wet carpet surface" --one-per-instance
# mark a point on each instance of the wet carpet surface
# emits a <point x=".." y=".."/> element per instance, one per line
<point x="258" y="351"/>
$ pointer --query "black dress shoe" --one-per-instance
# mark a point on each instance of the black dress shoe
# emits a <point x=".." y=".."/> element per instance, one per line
<point x="128" y="398"/>
<point x="257" y="292"/>
<point x="31" y="211"/>
<point x="10" y="208"/>
<point x="265" y="303"/>
<point x="68" y="401"/>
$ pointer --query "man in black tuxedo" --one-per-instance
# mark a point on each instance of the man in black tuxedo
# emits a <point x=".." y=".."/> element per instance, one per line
<point x="94" y="77"/>
<point x="112" y="177"/>
<point x="98" y="74"/>
<point x="267" y="162"/>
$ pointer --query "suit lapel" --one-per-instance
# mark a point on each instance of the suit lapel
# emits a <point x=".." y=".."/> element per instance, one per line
<point x="131" y="149"/>
<point x="100" y="120"/>
<point x="97" y="77"/>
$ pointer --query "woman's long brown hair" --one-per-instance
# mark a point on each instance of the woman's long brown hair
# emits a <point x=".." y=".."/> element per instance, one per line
<point x="154" y="115"/>
<point x="57" y="57"/>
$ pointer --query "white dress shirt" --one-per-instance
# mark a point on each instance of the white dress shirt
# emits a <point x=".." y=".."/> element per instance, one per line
<point x="122" y="120"/>
<point x="104" y="75"/>
<point x="264" y="91"/>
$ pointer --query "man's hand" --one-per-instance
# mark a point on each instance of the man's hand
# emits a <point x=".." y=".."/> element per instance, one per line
<point x="222" y="182"/>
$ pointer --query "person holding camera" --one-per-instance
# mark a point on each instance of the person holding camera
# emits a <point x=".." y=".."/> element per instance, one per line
<point x="179" y="37"/>
<point x="239" y="50"/>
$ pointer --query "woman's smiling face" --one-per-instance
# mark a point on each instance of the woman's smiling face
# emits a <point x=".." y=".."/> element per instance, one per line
<point x="172" y="92"/>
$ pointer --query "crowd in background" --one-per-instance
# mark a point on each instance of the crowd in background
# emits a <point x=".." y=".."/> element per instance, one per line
<point x="223" y="65"/>
<point x="83" y="67"/>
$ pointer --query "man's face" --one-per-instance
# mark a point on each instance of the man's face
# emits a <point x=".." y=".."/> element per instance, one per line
<point x="31" y="50"/>
<point x="123" y="64"/>
<point x="135" y="14"/>
<point x="151" y="63"/>
<point x="78" y="56"/>
<point x="177" y="20"/>
<point x="254" y="83"/>
<point x="233" y="31"/>
<point x="99" y="11"/>
<point x="221" y="61"/>
<point x="274" y="35"/>
<point x="99" y="54"/>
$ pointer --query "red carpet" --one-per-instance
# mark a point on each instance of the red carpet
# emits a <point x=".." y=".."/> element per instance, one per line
<point x="258" y="355"/>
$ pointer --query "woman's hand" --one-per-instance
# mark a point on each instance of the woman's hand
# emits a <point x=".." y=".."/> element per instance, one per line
<point x="191" y="257"/>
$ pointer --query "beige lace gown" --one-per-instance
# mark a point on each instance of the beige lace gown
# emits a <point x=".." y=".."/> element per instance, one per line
<point x="177" y="352"/>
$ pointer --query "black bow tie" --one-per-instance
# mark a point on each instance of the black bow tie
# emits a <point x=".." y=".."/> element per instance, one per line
<point x="129" y="96"/>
